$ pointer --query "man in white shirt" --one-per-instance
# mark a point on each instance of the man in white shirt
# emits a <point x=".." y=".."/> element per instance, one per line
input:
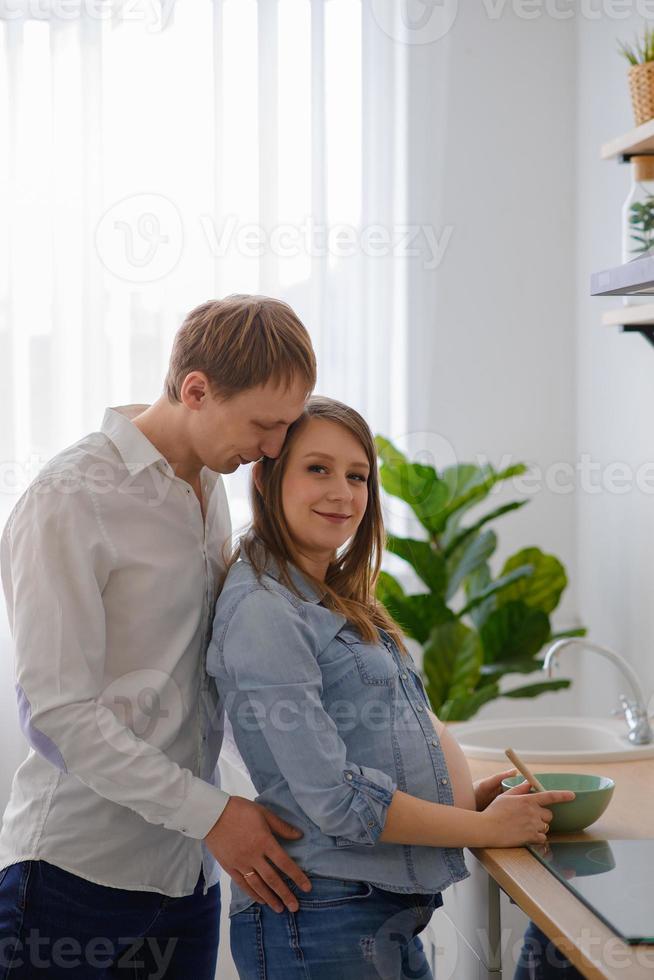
<point x="111" y="564"/>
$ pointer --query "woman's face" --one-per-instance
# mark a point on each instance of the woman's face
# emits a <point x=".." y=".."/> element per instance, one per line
<point x="324" y="488"/>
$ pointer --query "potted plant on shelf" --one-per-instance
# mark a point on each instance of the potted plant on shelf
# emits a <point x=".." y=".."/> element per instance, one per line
<point x="640" y="56"/>
<point x="474" y="628"/>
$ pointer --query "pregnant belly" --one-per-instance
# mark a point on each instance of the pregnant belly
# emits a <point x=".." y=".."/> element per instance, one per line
<point x="457" y="764"/>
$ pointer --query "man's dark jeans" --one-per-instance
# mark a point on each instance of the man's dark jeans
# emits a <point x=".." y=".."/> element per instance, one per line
<point x="56" y="924"/>
<point x="541" y="960"/>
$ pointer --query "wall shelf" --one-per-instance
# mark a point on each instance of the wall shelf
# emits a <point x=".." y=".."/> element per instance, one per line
<point x="642" y="316"/>
<point x="637" y="276"/>
<point x="632" y="319"/>
<point x="638" y="141"/>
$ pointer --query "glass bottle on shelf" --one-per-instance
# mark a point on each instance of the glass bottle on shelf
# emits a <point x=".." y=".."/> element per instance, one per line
<point x="638" y="218"/>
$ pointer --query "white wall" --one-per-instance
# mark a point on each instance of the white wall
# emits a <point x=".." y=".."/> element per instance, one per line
<point x="615" y="390"/>
<point x="493" y="144"/>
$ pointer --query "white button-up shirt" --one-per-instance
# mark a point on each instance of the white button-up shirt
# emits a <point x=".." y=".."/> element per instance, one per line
<point x="111" y="575"/>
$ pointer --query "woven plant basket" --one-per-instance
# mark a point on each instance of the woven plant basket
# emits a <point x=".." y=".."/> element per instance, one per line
<point x="641" y="83"/>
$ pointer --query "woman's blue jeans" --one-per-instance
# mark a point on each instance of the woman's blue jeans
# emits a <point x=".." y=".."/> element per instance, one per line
<point x="57" y="925"/>
<point x="348" y="930"/>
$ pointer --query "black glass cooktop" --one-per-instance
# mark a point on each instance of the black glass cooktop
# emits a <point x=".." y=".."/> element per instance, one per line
<point x="615" y="879"/>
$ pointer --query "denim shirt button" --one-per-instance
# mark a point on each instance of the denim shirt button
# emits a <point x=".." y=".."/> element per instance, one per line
<point x="348" y="775"/>
<point x="444" y="781"/>
<point x="371" y="823"/>
<point x="419" y="707"/>
<point x="404" y="677"/>
<point x="434" y="742"/>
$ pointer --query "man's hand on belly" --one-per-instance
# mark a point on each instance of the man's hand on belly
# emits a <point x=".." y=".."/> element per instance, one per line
<point x="242" y="841"/>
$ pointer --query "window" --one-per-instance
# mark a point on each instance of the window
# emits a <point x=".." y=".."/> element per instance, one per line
<point x="159" y="153"/>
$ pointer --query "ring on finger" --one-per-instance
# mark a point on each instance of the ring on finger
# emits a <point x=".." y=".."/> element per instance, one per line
<point x="248" y="874"/>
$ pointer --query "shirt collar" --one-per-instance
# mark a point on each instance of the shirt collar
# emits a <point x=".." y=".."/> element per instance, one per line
<point x="135" y="449"/>
<point x="305" y="589"/>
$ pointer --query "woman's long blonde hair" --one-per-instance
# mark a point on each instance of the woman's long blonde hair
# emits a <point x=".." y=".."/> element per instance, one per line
<point x="349" y="586"/>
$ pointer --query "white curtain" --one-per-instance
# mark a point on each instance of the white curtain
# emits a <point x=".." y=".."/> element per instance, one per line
<point x="155" y="154"/>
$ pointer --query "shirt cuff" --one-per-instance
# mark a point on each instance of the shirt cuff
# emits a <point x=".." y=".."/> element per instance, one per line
<point x="371" y="802"/>
<point x="199" y="811"/>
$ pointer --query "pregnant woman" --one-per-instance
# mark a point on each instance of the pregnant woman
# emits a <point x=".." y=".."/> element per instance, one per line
<point x="331" y="718"/>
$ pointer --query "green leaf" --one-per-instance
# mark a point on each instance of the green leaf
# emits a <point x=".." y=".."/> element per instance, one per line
<point x="462" y="708"/>
<point x="544" y="588"/>
<point x="514" y="631"/>
<point x="475" y="584"/>
<point x="499" y="669"/>
<point x="460" y="477"/>
<point x="455" y="536"/>
<point x="481" y="485"/>
<point x="533" y="690"/>
<point x="468" y="559"/>
<point x="581" y="631"/>
<point x="388" y="453"/>
<point x="452" y="662"/>
<point x="497" y="586"/>
<point x="420" y="487"/>
<point x="389" y="589"/>
<point x="416" y="614"/>
<point x="428" y="563"/>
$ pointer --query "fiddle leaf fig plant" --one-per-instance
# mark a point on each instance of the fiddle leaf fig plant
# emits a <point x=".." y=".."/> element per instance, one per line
<point x="474" y="628"/>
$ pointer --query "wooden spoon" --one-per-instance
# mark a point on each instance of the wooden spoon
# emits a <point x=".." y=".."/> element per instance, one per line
<point x="525" y="770"/>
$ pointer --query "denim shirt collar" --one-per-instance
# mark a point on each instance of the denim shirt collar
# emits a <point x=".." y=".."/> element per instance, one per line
<point x="305" y="588"/>
<point x="325" y="622"/>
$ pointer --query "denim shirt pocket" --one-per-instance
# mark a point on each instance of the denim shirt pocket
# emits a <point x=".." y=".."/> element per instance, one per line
<point x="374" y="660"/>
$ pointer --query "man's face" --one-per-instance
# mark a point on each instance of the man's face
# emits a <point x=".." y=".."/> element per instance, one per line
<point x="246" y="426"/>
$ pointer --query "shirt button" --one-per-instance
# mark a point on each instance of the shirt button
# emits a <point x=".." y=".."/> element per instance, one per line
<point x="404" y="677"/>
<point x="434" y="742"/>
<point x="419" y="707"/>
<point x="444" y="781"/>
<point x="371" y="823"/>
<point x="348" y="775"/>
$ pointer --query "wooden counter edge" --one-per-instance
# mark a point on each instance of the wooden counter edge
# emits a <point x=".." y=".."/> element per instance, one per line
<point x="549" y="903"/>
<point x="576" y="931"/>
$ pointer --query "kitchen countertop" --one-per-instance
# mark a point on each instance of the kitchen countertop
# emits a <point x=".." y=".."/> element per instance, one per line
<point x="595" y="950"/>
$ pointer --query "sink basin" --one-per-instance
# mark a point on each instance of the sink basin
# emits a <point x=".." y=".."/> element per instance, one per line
<point x="566" y="740"/>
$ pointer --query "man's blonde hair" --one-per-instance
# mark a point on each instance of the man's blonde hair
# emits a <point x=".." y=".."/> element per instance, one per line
<point x="241" y="342"/>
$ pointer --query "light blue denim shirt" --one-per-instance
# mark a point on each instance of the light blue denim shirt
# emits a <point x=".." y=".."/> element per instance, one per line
<point x="329" y="727"/>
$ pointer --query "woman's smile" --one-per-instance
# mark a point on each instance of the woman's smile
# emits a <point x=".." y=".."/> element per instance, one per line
<point x="334" y="518"/>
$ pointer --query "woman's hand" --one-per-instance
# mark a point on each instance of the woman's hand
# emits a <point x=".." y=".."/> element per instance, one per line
<point x="486" y="790"/>
<point x="518" y="816"/>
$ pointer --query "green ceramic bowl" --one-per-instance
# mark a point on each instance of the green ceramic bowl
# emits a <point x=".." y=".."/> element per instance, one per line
<point x="593" y="794"/>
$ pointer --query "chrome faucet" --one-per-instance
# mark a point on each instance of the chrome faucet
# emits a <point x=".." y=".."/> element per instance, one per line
<point x="634" y="711"/>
